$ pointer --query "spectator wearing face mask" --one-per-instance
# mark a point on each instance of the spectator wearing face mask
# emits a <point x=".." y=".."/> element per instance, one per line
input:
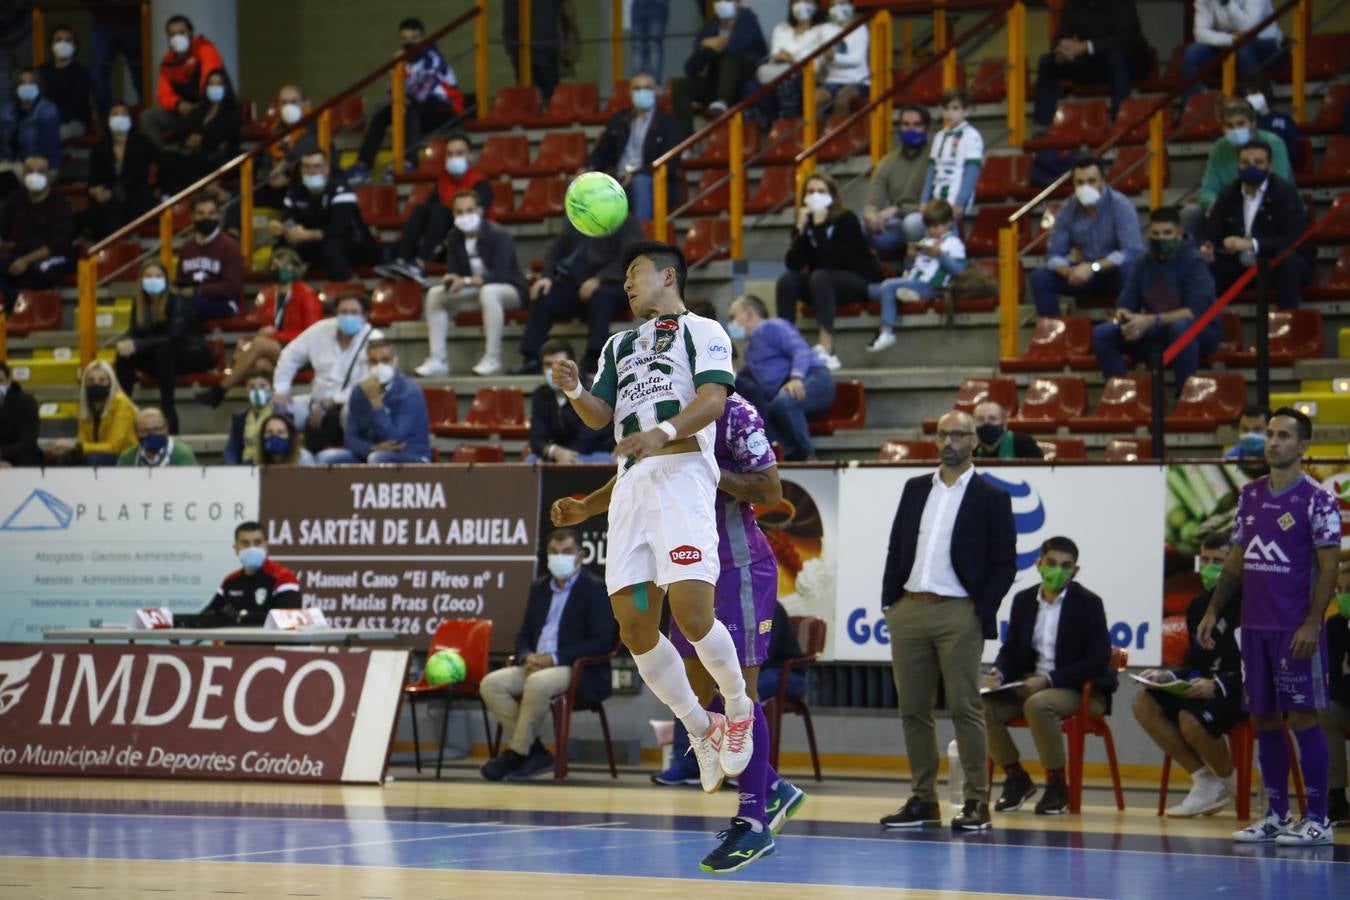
<point x="257" y="587"/>
<point x="210" y="265"/>
<point x="996" y="439"/>
<point x="18" y="423"/>
<point x="633" y="139"/>
<point x="1251" y="431"/>
<point x="557" y="433"/>
<point x="182" y="80"/>
<point x="289" y="307"/>
<point x="323" y="223"/>
<point x="241" y="447"/>
<point x="897" y="185"/>
<point x="1256" y="89"/>
<point x="1221" y="168"/>
<point x="847" y="70"/>
<point x="155" y="447"/>
<point x="386" y="416"/>
<point x="431" y="98"/>
<point x="1098" y="223"/>
<point x="120" y="186"/>
<point x="428" y="224"/>
<point x="483" y="273"/>
<point x="164" y="341"/>
<point x="954" y="162"/>
<point x="210" y="138"/>
<point x="37" y="227"/>
<point x="1218" y="25"/>
<point x="1096" y="42"/>
<point x="1165" y="292"/>
<point x="30" y="124"/>
<point x="727" y="49"/>
<point x="107" y="420"/>
<point x="280" y="443"/>
<point x="66" y="82"/>
<point x="790" y="42"/>
<point x="1259" y="215"/>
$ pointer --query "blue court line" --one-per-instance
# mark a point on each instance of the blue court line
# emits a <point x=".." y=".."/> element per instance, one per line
<point x="976" y="863"/>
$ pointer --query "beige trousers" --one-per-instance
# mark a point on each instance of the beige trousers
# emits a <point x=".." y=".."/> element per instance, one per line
<point x="1044" y="711"/>
<point x="492" y="299"/>
<point x="520" y="702"/>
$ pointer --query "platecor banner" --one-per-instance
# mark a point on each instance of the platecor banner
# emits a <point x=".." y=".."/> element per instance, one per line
<point x="405" y="548"/>
<point x="1114" y="514"/>
<point x="186" y="712"/>
<point x="87" y="547"/>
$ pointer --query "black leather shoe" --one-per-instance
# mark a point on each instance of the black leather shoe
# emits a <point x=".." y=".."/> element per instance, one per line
<point x="916" y="813"/>
<point x="528" y="367"/>
<point x="539" y="760"/>
<point x="212" y="396"/>
<point x="499" y="768"/>
<point x="1016" y="791"/>
<point x="1055" y="800"/>
<point x="974" y="816"/>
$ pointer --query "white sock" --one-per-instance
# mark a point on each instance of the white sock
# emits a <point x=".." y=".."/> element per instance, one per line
<point x="662" y="670"/>
<point x="717" y="652"/>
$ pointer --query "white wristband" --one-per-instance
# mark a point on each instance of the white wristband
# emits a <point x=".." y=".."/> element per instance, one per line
<point x="669" y="429"/>
<point x="575" y="392"/>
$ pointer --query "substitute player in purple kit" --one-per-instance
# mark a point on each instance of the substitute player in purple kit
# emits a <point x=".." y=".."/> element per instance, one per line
<point x="1285" y="557"/>
<point x="746" y="593"/>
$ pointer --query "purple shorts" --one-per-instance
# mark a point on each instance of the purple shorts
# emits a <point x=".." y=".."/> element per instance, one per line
<point x="1273" y="680"/>
<point x="744" y="602"/>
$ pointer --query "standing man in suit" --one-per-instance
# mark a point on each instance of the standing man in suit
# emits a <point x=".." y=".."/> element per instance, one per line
<point x="1057" y="642"/>
<point x="567" y="618"/>
<point x="952" y="557"/>
<point x="632" y="140"/>
<point x="1258" y="215"/>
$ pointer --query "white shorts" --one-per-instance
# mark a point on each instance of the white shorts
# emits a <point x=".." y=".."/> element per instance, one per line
<point x="663" y="524"/>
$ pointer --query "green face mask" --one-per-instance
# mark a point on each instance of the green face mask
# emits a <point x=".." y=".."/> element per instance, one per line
<point x="1343" y="604"/>
<point x="1054" y="577"/>
<point x="285" y="276"/>
<point x="1209" y="575"/>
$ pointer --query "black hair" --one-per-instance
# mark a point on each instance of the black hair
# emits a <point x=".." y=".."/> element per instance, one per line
<point x="203" y="197"/>
<point x="1255" y="409"/>
<point x="1060" y="544"/>
<point x="458" y="136"/>
<point x="1166" y="214"/>
<point x="412" y="24"/>
<point x="1084" y="160"/>
<point x="556" y="345"/>
<point x="1257" y="144"/>
<point x="174" y="19"/>
<point x="562" y="534"/>
<point x="247" y="526"/>
<point x="358" y="296"/>
<point x="1215" y="541"/>
<point x="956" y="94"/>
<point x="74" y="38"/>
<point x="379" y="344"/>
<point x="1304" y="423"/>
<point x="817" y="19"/>
<point x="754" y="302"/>
<point x="662" y="255"/>
<point x="922" y="112"/>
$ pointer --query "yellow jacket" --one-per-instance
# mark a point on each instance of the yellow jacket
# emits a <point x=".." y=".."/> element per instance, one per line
<point x="116" y="430"/>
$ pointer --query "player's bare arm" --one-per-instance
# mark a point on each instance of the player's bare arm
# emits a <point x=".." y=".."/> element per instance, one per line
<point x="595" y="412"/>
<point x="761" y="488"/>
<point x="1230" y="580"/>
<point x="569" y="511"/>
<point x="706" y="407"/>
<point x="1304" y="642"/>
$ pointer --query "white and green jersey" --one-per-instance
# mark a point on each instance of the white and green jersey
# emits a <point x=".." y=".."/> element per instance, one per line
<point x="951" y="150"/>
<point x="652" y="372"/>
<point x="929" y="269"/>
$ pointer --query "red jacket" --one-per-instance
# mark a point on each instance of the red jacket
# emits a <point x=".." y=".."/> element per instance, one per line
<point x="185" y="78"/>
<point x="303" y="310"/>
<point x="447" y="186"/>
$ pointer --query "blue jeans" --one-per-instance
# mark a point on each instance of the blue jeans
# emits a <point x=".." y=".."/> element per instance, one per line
<point x="885" y="292"/>
<point x="770" y="676"/>
<point x="106" y="44"/>
<point x="596" y="457"/>
<point x="897" y="233"/>
<point x="1109" y="346"/>
<point x="341" y="456"/>
<point x="648" y="20"/>
<point x="1254" y="57"/>
<point x="640" y="195"/>
<point x="1047" y="285"/>
<point x="785" y="416"/>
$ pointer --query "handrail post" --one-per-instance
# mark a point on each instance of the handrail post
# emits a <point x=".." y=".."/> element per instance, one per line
<point x="616" y="41"/>
<point x="1009" y="284"/>
<point x="1016" y="77"/>
<point x="941" y="35"/>
<point x="949" y="69"/>
<point x="525" y="33"/>
<point x="888" y="72"/>
<point x="1298" y="63"/>
<point x="39" y="38"/>
<point x="1263" y="331"/>
<point x="906" y="42"/>
<point x="147" y="70"/>
<point x="166" y="240"/>
<point x="399" y="114"/>
<point x="660" y="204"/>
<point x="1229" y="74"/>
<point x="87" y="280"/>
<point x="1157" y="160"/>
<point x="480" y="58"/>
<point x="246" y="211"/>
<point x="874" y="121"/>
<point x="1157" y="402"/>
<point x="738" y="186"/>
<point x="809" y="129"/>
<point x="325" y="130"/>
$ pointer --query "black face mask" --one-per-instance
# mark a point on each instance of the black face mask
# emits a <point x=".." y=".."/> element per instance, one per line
<point x="205" y="226"/>
<point x="989" y="433"/>
<point x="97" y="393"/>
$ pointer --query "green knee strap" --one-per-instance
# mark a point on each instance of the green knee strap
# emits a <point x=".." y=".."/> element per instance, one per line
<point x="640" y="597"/>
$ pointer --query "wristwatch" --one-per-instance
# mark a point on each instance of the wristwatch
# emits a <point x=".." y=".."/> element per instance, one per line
<point x="1096" y="266"/>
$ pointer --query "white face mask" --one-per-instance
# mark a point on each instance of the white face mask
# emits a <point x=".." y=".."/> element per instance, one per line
<point x="36" y="182"/>
<point x="803" y="12"/>
<point x="383" y="372"/>
<point x="215" y="93"/>
<point x="63" y="49"/>
<point x="562" y="565"/>
<point x="315" y="182"/>
<point x="469" y="223"/>
<point x="818" y="201"/>
<point x="1087" y="195"/>
<point x="119" y="124"/>
<point x="724" y="9"/>
<point x="842" y="12"/>
<point x="179" y="43"/>
<point x="291" y="113"/>
<point x="27" y="92"/>
<point x="457" y="165"/>
<point x="1258" y="102"/>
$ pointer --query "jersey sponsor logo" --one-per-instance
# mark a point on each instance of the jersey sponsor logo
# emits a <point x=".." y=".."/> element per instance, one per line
<point x="757" y="444"/>
<point x="1261" y="551"/>
<point x="1285" y="522"/>
<point x="718" y="350"/>
<point x="686" y="555"/>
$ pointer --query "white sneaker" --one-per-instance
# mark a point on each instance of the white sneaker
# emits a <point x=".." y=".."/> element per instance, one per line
<point x="707" y="749"/>
<point x="488" y="365"/>
<point x="738" y="745"/>
<point x="432" y="368"/>
<point x="1208" y="795"/>
<point x="907" y="295"/>
<point x="716" y="108"/>
<point x="1265" y="831"/>
<point x="883" y="340"/>
<point x="1307" y="833"/>
<point x="828" y="358"/>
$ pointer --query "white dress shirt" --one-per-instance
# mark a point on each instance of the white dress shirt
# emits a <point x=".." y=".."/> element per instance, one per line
<point x="1046" y="631"/>
<point x="1250" y="204"/>
<point x="932" y="572"/>
<point x="548" y="635"/>
<point x="317" y="346"/>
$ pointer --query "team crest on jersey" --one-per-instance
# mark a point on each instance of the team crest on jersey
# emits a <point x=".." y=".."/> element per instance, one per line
<point x="1285" y="522"/>
<point x="260" y="596"/>
<point x="666" y="329"/>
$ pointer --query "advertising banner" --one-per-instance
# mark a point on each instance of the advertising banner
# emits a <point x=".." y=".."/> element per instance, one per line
<point x="557" y="482"/>
<point x="803" y="530"/>
<point x="1114" y="515"/>
<point x="86" y="547"/>
<point x="404" y="548"/>
<point x="188" y="712"/>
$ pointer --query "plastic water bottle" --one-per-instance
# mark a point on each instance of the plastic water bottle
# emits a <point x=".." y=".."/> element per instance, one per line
<point x="956" y="776"/>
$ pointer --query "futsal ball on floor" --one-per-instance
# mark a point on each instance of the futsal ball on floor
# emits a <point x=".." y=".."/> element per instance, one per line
<point x="596" y="204"/>
<point x="445" y="667"/>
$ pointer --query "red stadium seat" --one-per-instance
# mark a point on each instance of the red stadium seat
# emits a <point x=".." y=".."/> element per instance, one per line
<point x="619" y="100"/>
<point x="442" y="408"/>
<point x="118" y="261"/>
<point x="990" y="82"/>
<point x="1208" y="401"/>
<point x="395" y="301"/>
<point x="901" y="450"/>
<point x="430" y="163"/>
<point x="1005" y="176"/>
<point x="478" y="453"/>
<point x="559" y="152"/>
<point x="472" y="638"/>
<point x="974" y="391"/>
<point x="1076" y="123"/>
<point x="499" y="411"/>
<point x="513" y="106"/>
<point x="716" y="153"/>
<point x="1330" y="117"/>
<point x="379" y="206"/>
<point x="811" y="632"/>
<point x="707" y="240"/>
<point x="1294" y="334"/>
<point x="1199" y="119"/>
<point x="1129" y="171"/>
<point x="1131" y="108"/>
<point x="503" y="199"/>
<point x="1337" y="285"/>
<point x="1334" y="230"/>
<point x="35" y="311"/>
<point x="927" y="88"/>
<point x="1334" y="169"/>
<point x="1231" y="341"/>
<point x="1327" y="55"/>
<point x="783" y="143"/>
<point x="349" y="113"/>
<point x="572" y="102"/>
<point x="848" y="412"/>
<point x="709" y="197"/>
<point x="983" y="237"/>
<point x="852" y="141"/>
<point x="1049" y="403"/>
<point x="1129" y="449"/>
<point x="1050" y="345"/>
<point x="329" y="291"/>
<point x="1126" y="402"/>
<point x="505" y="154"/>
<point x="776" y="190"/>
<point x="543" y="199"/>
<point x="1061" y="449"/>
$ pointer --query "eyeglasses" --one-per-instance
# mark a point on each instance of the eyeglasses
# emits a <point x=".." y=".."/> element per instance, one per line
<point x="944" y="436"/>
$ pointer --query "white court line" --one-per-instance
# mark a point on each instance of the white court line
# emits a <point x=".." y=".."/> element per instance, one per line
<point x="202" y="817"/>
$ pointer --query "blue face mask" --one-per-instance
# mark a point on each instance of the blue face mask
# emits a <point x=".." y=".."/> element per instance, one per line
<point x="735" y="330"/>
<point x="1239" y="136"/>
<point x="276" y="444"/>
<point x="252" y="558"/>
<point x="913" y="139"/>
<point x="1252" y="443"/>
<point x="644" y="99"/>
<point x="350" y="324"/>
<point x="154" y="285"/>
<point x="154" y="444"/>
<point x="1252" y="174"/>
<point x="27" y="92"/>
